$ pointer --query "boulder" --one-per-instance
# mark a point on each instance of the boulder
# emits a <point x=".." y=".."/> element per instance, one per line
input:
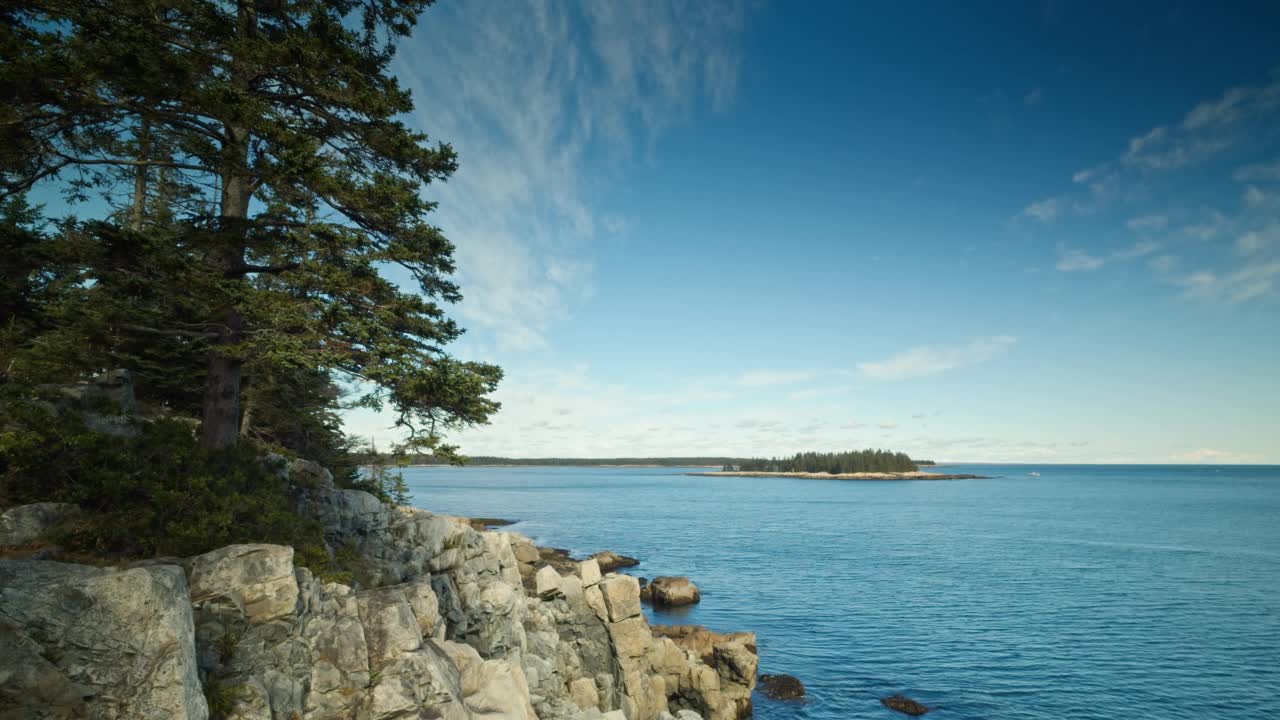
<point x="781" y="687"/>
<point x="610" y="561"/>
<point x="25" y="524"/>
<point x="589" y="571"/>
<point x="673" y="591"/>
<point x="310" y="474"/>
<point x="595" y="600"/>
<point x="631" y="637"/>
<point x="547" y="582"/>
<point x="524" y="549"/>
<point x="91" y="642"/>
<point x="583" y="693"/>
<point x="257" y="579"/>
<point x="904" y="704"/>
<point x="621" y="596"/>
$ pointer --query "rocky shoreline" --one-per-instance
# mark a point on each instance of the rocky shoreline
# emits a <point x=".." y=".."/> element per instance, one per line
<point x="916" y="475"/>
<point x="449" y="621"/>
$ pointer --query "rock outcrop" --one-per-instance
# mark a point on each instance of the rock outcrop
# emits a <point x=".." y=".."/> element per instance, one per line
<point x="28" y="523"/>
<point x="781" y="687"/>
<point x="905" y="705"/>
<point x="673" y="591"/>
<point x="444" y="622"/>
<point x="87" y="642"/>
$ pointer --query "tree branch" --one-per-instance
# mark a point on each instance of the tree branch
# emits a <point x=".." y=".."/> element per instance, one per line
<point x="179" y="333"/>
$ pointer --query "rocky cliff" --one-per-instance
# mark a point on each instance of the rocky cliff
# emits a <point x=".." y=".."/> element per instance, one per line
<point x="446" y="622"/>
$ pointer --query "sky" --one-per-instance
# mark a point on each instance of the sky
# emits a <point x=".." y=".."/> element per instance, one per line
<point x="1018" y="232"/>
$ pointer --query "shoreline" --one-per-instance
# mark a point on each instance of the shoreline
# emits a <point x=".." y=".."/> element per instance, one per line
<point x="525" y="465"/>
<point x="915" y="475"/>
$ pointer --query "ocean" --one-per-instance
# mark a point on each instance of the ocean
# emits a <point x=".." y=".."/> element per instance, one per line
<point x="1089" y="591"/>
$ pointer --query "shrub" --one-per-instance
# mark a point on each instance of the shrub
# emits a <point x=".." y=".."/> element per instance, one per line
<point x="151" y="494"/>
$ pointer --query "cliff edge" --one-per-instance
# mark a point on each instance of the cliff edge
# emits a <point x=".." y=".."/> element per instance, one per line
<point x="446" y="622"/>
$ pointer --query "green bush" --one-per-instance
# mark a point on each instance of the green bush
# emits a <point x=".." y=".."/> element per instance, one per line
<point x="156" y="493"/>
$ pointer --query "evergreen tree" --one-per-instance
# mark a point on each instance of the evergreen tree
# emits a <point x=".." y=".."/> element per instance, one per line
<point x="261" y="184"/>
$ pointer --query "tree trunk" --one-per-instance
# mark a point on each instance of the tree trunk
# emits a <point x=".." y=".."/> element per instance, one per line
<point x="220" y="426"/>
<point x="246" y="416"/>
<point x="138" y="210"/>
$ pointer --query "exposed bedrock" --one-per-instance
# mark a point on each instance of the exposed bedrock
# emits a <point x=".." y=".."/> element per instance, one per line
<point x="450" y="623"/>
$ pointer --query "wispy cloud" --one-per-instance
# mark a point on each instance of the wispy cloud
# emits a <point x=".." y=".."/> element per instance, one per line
<point x="1033" y="97"/>
<point x="926" y="360"/>
<point x="1251" y="281"/>
<point x="1073" y="260"/>
<point x="1206" y="132"/>
<point x="1147" y="222"/>
<point x="526" y="92"/>
<point x="763" y="378"/>
<point x="1076" y="260"/>
<point x="1258" y="198"/>
<point x="1043" y="210"/>
<point x="1214" y="456"/>
<point x="1259" y="172"/>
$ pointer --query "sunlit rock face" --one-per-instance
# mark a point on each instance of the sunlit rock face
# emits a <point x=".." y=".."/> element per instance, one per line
<point x="447" y="623"/>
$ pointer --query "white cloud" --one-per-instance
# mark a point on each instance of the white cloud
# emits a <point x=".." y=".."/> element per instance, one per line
<point x="1164" y="264"/>
<point x="1139" y="249"/>
<point x="819" y="392"/>
<point x="926" y="360"/>
<point x="1210" y="228"/>
<point x="1259" y="172"/>
<point x="1258" y="240"/>
<point x="1206" y="132"/>
<point x="1147" y="222"/>
<point x="1256" y="197"/>
<point x="1212" y="456"/>
<point x="1253" y="280"/>
<point x="1073" y="260"/>
<point x="528" y="93"/>
<point x="763" y="378"/>
<point x="1043" y="211"/>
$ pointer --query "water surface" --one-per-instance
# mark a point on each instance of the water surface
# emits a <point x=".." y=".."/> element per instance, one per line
<point x="1088" y="592"/>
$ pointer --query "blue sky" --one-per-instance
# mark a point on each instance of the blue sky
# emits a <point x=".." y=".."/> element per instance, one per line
<point x="1010" y="232"/>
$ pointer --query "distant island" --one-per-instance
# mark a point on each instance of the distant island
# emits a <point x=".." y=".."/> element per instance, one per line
<point x="853" y="465"/>
<point x="726" y="463"/>
<point x="489" y="460"/>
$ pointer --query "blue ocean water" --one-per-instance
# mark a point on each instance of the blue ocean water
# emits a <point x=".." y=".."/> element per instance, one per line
<point x="1087" y="592"/>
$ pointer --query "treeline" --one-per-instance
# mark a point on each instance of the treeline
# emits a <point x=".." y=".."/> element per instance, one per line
<point x="815" y="462"/>
<point x="422" y="459"/>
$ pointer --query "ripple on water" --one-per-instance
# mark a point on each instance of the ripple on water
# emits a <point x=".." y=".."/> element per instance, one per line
<point x="1092" y="592"/>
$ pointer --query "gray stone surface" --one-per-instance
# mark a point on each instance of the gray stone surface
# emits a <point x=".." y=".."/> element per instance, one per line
<point x="450" y="623"/>
<point x="258" y="579"/>
<point x="96" y="643"/>
<point x="27" y="523"/>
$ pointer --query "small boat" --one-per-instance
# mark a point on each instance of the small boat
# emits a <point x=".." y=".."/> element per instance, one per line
<point x="1034" y="474"/>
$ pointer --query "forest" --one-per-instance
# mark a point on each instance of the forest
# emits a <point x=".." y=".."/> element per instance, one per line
<point x="843" y="462"/>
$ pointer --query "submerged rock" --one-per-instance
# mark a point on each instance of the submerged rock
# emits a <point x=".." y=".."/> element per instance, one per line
<point x="904" y="704"/>
<point x="781" y="687"/>
<point x="673" y="591"/>
<point x="610" y="561"/>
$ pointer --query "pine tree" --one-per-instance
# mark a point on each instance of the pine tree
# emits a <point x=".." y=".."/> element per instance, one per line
<point x="261" y="185"/>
